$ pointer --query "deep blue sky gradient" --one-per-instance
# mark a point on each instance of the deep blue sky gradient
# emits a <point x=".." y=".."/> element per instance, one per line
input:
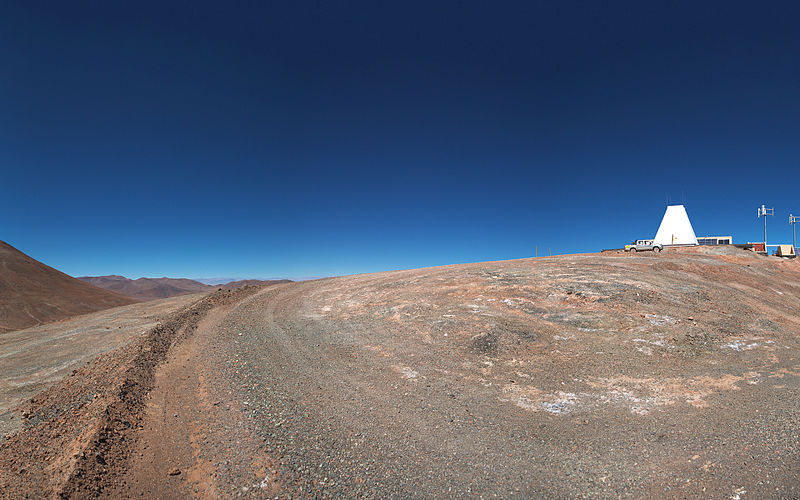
<point x="270" y="139"/>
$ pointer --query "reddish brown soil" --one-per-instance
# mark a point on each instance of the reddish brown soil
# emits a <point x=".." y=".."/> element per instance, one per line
<point x="672" y="375"/>
<point x="32" y="293"/>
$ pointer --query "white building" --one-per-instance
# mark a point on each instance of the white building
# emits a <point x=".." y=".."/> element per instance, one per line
<point x="675" y="228"/>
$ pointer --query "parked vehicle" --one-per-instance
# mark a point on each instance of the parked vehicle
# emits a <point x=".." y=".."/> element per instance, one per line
<point x="644" y="246"/>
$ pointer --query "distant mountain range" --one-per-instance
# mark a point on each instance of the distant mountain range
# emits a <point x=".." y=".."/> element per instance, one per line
<point x="32" y="293"/>
<point x="226" y="281"/>
<point x="160" y="288"/>
<point x="217" y="281"/>
<point x="147" y="288"/>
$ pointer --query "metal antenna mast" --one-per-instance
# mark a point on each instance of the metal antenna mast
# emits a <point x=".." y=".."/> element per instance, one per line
<point x="763" y="212"/>
<point x="794" y="219"/>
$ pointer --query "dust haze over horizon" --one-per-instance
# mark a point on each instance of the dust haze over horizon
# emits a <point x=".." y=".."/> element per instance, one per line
<point x="206" y="139"/>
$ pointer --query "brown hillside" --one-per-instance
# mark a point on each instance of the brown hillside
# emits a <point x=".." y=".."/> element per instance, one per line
<point x="32" y="293"/>
<point x="148" y="288"/>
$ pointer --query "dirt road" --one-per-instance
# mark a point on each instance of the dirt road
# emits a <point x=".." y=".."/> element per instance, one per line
<point x="599" y="375"/>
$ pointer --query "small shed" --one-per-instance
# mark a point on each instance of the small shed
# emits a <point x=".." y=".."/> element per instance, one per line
<point x="785" y="251"/>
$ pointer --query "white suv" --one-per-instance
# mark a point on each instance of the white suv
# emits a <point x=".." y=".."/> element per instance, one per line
<point x="643" y="246"/>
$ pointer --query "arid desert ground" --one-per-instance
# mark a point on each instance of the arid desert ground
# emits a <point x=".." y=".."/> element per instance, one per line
<point x="594" y="375"/>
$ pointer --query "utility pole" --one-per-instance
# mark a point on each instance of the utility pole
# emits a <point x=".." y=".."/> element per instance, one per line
<point x="794" y="219"/>
<point x="763" y="212"/>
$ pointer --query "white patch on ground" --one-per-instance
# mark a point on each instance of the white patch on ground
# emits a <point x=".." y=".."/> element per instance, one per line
<point x="645" y="344"/>
<point x="264" y="482"/>
<point x="745" y="344"/>
<point x="526" y="403"/>
<point x="739" y="345"/>
<point x="640" y="396"/>
<point x="475" y="308"/>
<point x="533" y="399"/>
<point x="480" y="309"/>
<point x="564" y="403"/>
<point x="660" y="320"/>
<point x="564" y="337"/>
<point x="660" y="342"/>
<point x="589" y="329"/>
<point x="737" y="494"/>
<point x="515" y="301"/>
<point x="408" y="372"/>
<point x="638" y="404"/>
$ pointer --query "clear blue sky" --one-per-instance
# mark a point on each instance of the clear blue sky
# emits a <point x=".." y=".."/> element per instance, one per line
<point x="269" y="139"/>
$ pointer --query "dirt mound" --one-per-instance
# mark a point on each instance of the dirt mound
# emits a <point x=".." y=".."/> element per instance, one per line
<point x="32" y="293"/>
<point x="147" y="288"/>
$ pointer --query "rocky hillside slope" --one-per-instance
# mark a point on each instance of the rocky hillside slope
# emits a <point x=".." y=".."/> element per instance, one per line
<point x="32" y="293"/>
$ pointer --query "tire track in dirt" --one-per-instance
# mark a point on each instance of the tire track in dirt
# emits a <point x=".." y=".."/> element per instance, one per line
<point x="79" y="433"/>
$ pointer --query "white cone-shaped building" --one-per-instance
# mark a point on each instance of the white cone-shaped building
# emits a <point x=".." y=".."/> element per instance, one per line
<point x="675" y="228"/>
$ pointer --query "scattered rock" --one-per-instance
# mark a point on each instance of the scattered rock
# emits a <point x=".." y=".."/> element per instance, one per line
<point x="174" y="472"/>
